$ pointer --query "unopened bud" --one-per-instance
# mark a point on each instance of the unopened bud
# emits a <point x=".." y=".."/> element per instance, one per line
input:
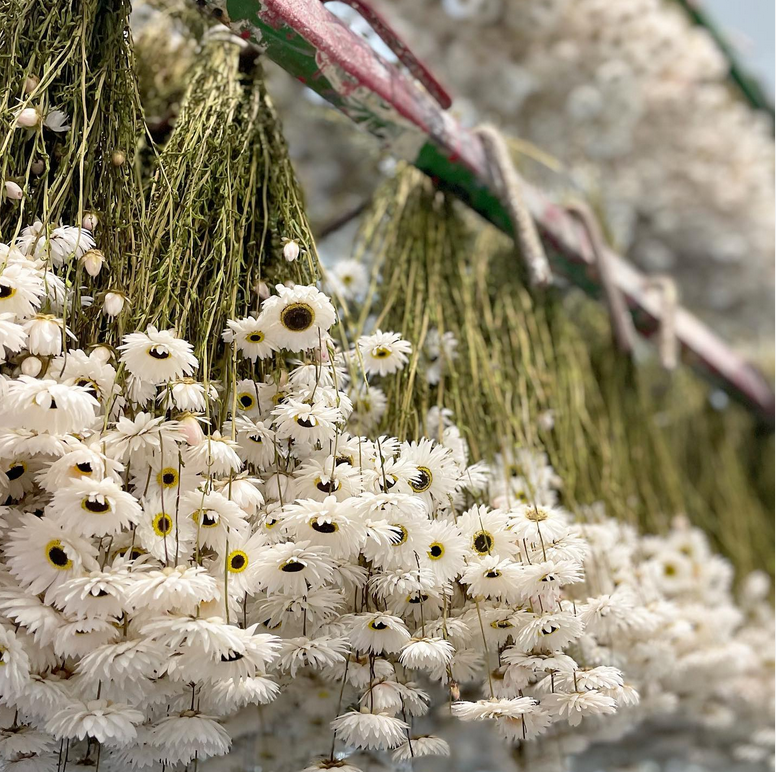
<point x="262" y="290"/>
<point x="28" y="118"/>
<point x="117" y="157"/>
<point x="31" y="366"/>
<point x="89" y="221"/>
<point x="38" y="166"/>
<point x="113" y="304"/>
<point x="101" y="354"/>
<point x="190" y="429"/>
<point x="291" y="251"/>
<point x="31" y="83"/>
<point x="93" y="260"/>
<point x="13" y="191"/>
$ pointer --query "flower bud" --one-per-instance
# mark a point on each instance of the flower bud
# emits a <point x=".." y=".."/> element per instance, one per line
<point x="101" y="354"/>
<point x="31" y="366"/>
<point x="89" y="221"/>
<point x="28" y="118"/>
<point x="13" y="191"/>
<point x="93" y="260"/>
<point x="31" y="83"/>
<point x="291" y="251"/>
<point x="262" y="290"/>
<point x="44" y="335"/>
<point x="38" y="166"/>
<point x="117" y="157"/>
<point x="191" y="430"/>
<point x="113" y="304"/>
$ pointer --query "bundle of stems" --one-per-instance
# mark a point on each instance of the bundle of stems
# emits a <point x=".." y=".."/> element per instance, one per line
<point x="75" y="58"/>
<point x="539" y="371"/>
<point x="223" y="204"/>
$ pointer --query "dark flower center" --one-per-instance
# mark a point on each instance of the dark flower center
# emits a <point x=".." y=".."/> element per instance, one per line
<point x="246" y="400"/>
<point x="15" y="472"/>
<point x="237" y="562"/>
<point x="159" y="352"/>
<point x="305" y="422"/>
<point x="232" y="656"/>
<point x="401" y="534"/>
<point x="419" y="598"/>
<point x="97" y="507"/>
<point x="85" y="467"/>
<point x="378" y="625"/>
<point x="57" y="556"/>
<point x="297" y="317"/>
<point x="6" y="291"/>
<point x="292" y="567"/>
<point x="422" y="481"/>
<point x="324" y="527"/>
<point x="327" y="487"/>
<point x="482" y="542"/>
<point x="162" y="525"/>
<point x="494" y="574"/>
<point x="255" y="438"/>
<point x="436" y="551"/>
<point x="255" y="337"/>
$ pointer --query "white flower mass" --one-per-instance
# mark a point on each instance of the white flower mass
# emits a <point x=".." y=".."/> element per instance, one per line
<point x="163" y="576"/>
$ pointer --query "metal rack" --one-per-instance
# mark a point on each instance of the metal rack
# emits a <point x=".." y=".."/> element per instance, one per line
<point x="314" y="46"/>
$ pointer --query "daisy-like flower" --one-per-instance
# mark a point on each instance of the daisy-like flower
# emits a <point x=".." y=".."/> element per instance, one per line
<point x="549" y="632"/>
<point x="47" y="406"/>
<point x="182" y="737"/>
<point x="163" y="531"/>
<point x="383" y="353"/>
<point x="156" y="356"/>
<point x="108" y="723"/>
<point x="305" y="423"/>
<point x="79" y="636"/>
<point x="378" y="633"/>
<point x="493" y="708"/>
<point x="487" y="532"/>
<point x="492" y="577"/>
<point x="141" y="437"/>
<point x="23" y="741"/>
<point x="297" y="318"/>
<point x="524" y="727"/>
<point x="326" y="523"/>
<point x="94" y="507"/>
<point x="370" y="731"/>
<point x="239" y="562"/>
<point x="99" y="594"/>
<point x="531" y="522"/>
<point x="123" y="662"/>
<point x="215" y="455"/>
<point x="349" y="278"/>
<point x="14" y="663"/>
<point x="64" y="243"/>
<point x="12" y="336"/>
<point x="574" y="706"/>
<point x="545" y="579"/>
<point x="292" y="568"/>
<point x="21" y="289"/>
<point x="186" y="395"/>
<point x="215" y="516"/>
<point x="337" y="765"/>
<point x="29" y="611"/>
<point x="249" y="336"/>
<point x="179" y="587"/>
<point x="41" y="554"/>
<point x="256" y="442"/>
<point x="229" y="695"/>
<point x="369" y="406"/>
<point x="316" y="653"/>
<point x="426" y="653"/>
<point x="446" y="550"/>
<point x="437" y="477"/>
<point x="422" y="745"/>
<point x="44" y="334"/>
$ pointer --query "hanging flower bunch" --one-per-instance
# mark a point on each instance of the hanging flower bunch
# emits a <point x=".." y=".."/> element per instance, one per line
<point x="176" y="548"/>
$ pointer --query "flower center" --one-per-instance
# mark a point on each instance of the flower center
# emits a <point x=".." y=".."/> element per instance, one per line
<point x="323" y="527"/>
<point x="95" y="506"/>
<point x="237" y="561"/>
<point x="57" y="556"/>
<point x="162" y="524"/>
<point x="482" y="542"/>
<point x="418" y="597"/>
<point x="307" y="423"/>
<point x="89" y="385"/>
<point x="327" y="487"/>
<point x="232" y="656"/>
<point x="255" y="438"/>
<point x="159" y="352"/>
<point x="297" y="317"/>
<point x="381" y="352"/>
<point x="84" y="468"/>
<point x="246" y="400"/>
<point x="549" y="629"/>
<point x="208" y="519"/>
<point x="422" y="481"/>
<point x="16" y="471"/>
<point x="255" y="337"/>
<point x="436" y="551"/>
<point x="376" y="624"/>
<point x="167" y="478"/>
<point x="501" y="624"/>
<point x="6" y="291"/>
<point x="400" y="536"/>
<point x="536" y="515"/>
<point x="292" y="566"/>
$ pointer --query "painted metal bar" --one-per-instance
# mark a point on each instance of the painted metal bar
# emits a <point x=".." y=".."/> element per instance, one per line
<point x="313" y="45"/>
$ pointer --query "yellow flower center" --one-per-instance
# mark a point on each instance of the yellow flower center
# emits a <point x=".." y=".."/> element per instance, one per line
<point x="167" y="478"/>
<point x="482" y="542"/>
<point x="162" y="524"/>
<point x="297" y="317"/>
<point x="255" y="337"/>
<point x="381" y="352"/>
<point x="436" y="551"/>
<point x="57" y="557"/>
<point x="237" y="561"/>
<point x="422" y="481"/>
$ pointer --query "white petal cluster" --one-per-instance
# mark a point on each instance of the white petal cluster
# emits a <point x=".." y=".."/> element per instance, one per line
<point x="162" y="576"/>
